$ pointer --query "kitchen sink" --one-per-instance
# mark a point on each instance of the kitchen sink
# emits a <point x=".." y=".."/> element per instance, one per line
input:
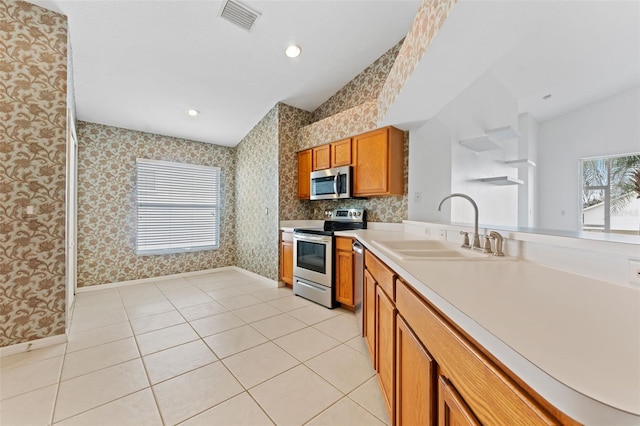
<point x="429" y="250"/>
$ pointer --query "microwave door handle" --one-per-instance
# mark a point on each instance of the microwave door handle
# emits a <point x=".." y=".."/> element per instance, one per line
<point x="335" y="183"/>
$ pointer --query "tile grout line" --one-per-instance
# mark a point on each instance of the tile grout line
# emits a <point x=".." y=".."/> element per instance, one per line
<point x="220" y="359"/>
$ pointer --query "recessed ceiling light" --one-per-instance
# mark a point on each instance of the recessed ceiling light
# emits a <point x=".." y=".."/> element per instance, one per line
<point x="192" y="112"/>
<point x="293" y="51"/>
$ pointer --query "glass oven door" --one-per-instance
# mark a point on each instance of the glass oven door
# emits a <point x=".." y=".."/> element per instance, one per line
<point x="312" y="258"/>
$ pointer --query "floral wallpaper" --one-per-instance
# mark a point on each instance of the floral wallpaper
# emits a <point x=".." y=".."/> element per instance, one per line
<point x="257" y="198"/>
<point x="341" y="125"/>
<point x="428" y="21"/>
<point x="364" y="87"/>
<point x="33" y="120"/>
<point x="107" y="210"/>
<point x="290" y="119"/>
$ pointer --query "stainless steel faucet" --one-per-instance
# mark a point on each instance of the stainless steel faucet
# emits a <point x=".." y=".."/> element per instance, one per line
<point x="476" y="236"/>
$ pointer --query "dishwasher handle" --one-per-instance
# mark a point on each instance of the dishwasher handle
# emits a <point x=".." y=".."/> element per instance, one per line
<point x="357" y="247"/>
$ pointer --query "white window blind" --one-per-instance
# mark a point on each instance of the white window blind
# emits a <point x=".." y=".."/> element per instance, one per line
<point x="178" y="207"/>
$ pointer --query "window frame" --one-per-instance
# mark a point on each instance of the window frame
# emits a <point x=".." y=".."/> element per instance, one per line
<point x="173" y="167"/>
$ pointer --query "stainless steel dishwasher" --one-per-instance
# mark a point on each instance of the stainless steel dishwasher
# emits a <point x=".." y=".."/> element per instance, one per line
<point x="358" y="280"/>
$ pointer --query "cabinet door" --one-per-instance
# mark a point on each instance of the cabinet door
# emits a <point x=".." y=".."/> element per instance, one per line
<point x="304" y="171"/>
<point x="369" y="314"/>
<point x="379" y="163"/>
<point x="344" y="271"/>
<point x="385" y="347"/>
<point x="452" y="409"/>
<point x="286" y="261"/>
<point x="321" y="157"/>
<point x="371" y="173"/>
<point x="341" y="153"/>
<point x="415" y="379"/>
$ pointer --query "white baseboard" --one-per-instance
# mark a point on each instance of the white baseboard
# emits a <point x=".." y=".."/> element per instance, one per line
<point x="259" y="277"/>
<point x="173" y="277"/>
<point x="33" y="344"/>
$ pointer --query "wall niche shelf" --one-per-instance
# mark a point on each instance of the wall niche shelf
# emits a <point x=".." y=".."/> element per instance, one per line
<point x="522" y="162"/>
<point x="502" y="180"/>
<point x="490" y="140"/>
<point x="480" y="144"/>
<point x="503" y="133"/>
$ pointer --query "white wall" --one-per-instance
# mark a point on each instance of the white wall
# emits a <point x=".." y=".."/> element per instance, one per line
<point x="439" y="165"/>
<point x="429" y="171"/>
<point x="527" y="149"/>
<point x="610" y="126"/>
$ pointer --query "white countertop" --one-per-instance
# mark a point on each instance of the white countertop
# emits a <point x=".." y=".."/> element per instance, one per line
<point x="573" y="339"/>
<point x="289" y="225"/>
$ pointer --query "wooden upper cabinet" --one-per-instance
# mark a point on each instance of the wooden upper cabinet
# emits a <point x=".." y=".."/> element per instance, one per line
<point x="341" y="153"/>
<point x="321" y="157"/>
<point x="379" y="163"/>
<point x="334" y="154"/>
<point x="304" y="170"/>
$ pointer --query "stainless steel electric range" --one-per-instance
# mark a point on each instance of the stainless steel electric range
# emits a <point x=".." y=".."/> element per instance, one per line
<point x="313" y="255"/>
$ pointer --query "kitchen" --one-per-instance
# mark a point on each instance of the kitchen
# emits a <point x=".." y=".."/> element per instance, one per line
<point x="98" y="265"/>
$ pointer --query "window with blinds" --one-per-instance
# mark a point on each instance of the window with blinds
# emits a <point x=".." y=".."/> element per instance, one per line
<point x="178" y="207"/>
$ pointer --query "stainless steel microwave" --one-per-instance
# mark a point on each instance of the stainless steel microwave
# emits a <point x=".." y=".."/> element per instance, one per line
<point x="331" y="184"/>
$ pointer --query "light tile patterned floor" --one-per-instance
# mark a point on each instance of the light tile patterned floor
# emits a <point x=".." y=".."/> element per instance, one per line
<point x="220" y="348"/>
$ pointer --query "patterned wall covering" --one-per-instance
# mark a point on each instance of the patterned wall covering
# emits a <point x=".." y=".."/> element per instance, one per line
<point x="107" y="211"/>
<point x="366" y="86"/>
<point x="428" y="21"/>
<point x="33" y="120"/>
<point x="289" y="121"/>
<point x="257" y="198"/>
<point x="341" y="125"/>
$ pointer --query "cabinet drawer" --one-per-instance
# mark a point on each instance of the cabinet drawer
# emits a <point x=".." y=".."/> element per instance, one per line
<point x="287" y="236"/>
<point x="344" y="243"/>
<point x="383" y="275"/>
<point x="492" y="396"/>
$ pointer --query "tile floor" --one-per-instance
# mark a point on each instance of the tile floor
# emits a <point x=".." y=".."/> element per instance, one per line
<point x="221" y="348"/>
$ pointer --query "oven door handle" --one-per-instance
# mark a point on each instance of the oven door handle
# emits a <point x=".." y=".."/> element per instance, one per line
<point x="312" y="239"/>
<point x="335" y="183"/>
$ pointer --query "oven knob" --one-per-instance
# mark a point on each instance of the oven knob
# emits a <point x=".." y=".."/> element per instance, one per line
<point x="359" y="214"/>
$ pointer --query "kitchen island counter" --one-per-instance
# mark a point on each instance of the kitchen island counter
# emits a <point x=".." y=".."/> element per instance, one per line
<point x="573" y="339"/>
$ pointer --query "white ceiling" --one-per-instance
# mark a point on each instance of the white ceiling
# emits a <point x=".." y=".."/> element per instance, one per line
<point x="141" y="64"/>
<point x="578" y="51"/>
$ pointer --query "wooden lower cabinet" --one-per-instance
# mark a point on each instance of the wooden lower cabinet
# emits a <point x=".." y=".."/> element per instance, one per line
<point x="385" y="347"/>
<point x="369" y="314"/>
<point x="286" y="258"/>
<point x="430" y="372"/>
<point x="344" y="272"/>
<point x="416" y="374"/>
<point x="452" y="409"/>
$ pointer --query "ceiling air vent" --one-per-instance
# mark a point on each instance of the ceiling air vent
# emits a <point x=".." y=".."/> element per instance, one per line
<point x="239" y="14"/>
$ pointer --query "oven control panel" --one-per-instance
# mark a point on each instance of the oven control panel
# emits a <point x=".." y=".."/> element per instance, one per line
<point x="345" y="215"/>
